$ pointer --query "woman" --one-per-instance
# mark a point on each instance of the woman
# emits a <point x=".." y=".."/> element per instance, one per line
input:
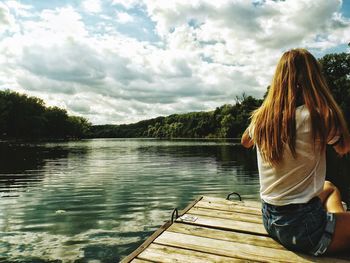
<point x="290" y="130"/>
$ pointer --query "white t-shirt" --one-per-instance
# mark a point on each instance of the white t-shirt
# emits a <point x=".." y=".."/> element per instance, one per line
<point x="295" y="180"/>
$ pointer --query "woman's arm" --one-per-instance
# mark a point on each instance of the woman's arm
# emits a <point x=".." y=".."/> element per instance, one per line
<point x="341" y="147"/>
<point x="246" y="141"/>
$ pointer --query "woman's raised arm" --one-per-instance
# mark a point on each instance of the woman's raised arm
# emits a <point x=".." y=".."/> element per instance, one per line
<point x="246" y="141"/>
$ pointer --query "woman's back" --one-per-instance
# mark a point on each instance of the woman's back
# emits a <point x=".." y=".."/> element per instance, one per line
<point x="295" y="180"/>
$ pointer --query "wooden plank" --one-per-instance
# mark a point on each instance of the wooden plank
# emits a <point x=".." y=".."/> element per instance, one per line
<point x="247" y="203"/>
<point x="232" y="207"/>
<point x="226" y="215"/>
<point x="190" y="205"/>
<point x="225" y="224"/>
<point x="158" y="232"/>
<point x="136" y="260"/>
<point x="224" y="235"/>
<point x="145" y="244"/>
<point x="167" y="254"/>
<point x="235" y="249"/>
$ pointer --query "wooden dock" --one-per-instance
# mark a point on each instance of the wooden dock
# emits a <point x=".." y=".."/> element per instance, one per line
<point x="214" y="229"/>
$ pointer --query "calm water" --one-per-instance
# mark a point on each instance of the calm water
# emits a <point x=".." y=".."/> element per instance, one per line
<point x="97" y="200"/>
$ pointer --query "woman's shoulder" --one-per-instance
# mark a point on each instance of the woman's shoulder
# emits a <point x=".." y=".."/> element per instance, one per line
<point x="302" y="114"/>
<point x="301" y="107"/>
<point x="302" y="110"/>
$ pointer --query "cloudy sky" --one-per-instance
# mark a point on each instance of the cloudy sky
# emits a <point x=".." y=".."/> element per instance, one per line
<point x="121" y="61"/>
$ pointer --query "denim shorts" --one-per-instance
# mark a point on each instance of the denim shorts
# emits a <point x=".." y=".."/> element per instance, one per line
<point x="306" y="228"/>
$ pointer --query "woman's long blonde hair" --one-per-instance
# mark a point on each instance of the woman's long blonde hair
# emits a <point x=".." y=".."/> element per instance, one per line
<point x="298" y="74"/>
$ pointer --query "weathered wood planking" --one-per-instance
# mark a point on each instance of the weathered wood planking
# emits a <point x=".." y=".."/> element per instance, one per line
<point x="231" y="207"/>
<point x="160" y="253"/>
<point x="213" y="229"/>
<point x="137" y="260"/>
<point x="197" y="210"/>
<point x="224" y="235"/>
<point x="219" y="200"/>
<point x="226" y="224"/>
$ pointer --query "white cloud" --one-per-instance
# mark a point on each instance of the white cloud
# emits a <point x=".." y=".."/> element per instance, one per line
<point x="123" y="17"/>
<point x="210" y="51"/>
<point x="7" y="20"/>
<point x="92" y="6"/>
<point x="274" y="24"/>
<point x="249" y="37"/>
<point x="128" y="4"/>
<point x="60" y="22"/>
<point x="20" y="9"/>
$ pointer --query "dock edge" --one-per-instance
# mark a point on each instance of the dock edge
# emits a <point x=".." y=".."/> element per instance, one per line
<point x="158" y="232"/>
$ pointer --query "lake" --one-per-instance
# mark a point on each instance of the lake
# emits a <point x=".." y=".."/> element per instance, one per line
<point x="97" y="200"/>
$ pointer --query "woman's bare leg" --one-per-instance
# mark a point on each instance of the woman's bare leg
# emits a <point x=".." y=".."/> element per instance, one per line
<point x="331" y="198"/>
<point x="341" y="236"/>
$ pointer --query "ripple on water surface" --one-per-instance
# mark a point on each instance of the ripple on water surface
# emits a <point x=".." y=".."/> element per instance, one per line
<point x="97" y="200"/>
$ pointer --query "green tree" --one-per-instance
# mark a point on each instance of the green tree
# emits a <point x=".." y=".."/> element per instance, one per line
<point x="27" y="117"/>
<point x="336" y="68"/>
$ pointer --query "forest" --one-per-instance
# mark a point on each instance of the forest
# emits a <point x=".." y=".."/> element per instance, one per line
<point x="23" y="117"/>
<point x="28" y="117"/>
<point x="227" y="121"/>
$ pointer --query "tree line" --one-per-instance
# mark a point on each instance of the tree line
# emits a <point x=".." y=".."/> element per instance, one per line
<point x="23" y="117"/>
<point x="227" y="121"/>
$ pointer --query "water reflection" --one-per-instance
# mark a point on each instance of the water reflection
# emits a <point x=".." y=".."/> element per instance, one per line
<point x="19" y="158"/>
<point x="99" y="199"/>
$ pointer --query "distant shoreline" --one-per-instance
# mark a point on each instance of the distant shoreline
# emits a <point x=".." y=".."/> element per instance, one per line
<point x="13" y="140"/>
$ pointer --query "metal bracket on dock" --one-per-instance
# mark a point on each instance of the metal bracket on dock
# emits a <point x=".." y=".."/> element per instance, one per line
<point x="174" y="213"/>
<point x="234" y="193"/>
